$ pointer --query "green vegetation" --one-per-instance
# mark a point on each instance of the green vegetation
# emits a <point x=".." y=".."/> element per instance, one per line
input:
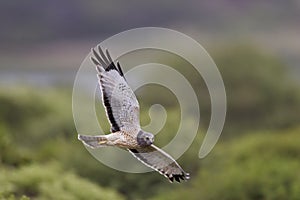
<point x="51" y="182"/>
<point x="37" y="141"/>
<point x="259" y="91"/>
<point x="263" y="165"/>
<point x="41" y="158"/>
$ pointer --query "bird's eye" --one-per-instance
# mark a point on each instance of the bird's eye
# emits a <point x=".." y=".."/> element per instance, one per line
<point x="147" y="138"/>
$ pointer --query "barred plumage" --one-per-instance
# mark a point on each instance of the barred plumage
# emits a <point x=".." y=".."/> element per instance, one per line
<point x="122" y="109"/>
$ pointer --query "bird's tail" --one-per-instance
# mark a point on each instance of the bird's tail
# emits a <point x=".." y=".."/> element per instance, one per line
<point x="93" y="141"/>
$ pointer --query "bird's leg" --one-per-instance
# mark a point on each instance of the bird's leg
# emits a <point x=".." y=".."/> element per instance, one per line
<point x="102" y="140"/>
<point x="93" y="141"/>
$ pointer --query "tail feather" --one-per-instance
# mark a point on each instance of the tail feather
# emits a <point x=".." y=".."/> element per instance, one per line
<point x="93" y="141"/>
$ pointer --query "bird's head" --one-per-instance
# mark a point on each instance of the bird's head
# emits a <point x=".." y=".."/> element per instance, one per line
<point x="145" y="138"/>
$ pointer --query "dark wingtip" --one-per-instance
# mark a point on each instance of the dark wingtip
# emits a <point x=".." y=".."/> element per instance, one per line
<point x="100" y="59"/>
<point x="97" y="58"/>
<point x="120" y="69"/>
<point x="178" y="177"/>
<point x="95" y="61"/>
<point x="103" y="56"/>
<point x="108" y="55"/>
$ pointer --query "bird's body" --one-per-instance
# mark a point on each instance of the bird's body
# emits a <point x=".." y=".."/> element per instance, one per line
<point x="119" y="139"/>
<point x="124" y="139"/>
<point x="122" y="109"/>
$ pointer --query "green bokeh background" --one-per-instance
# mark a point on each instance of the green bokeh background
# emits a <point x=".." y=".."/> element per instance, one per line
<point x="256" y="47"/>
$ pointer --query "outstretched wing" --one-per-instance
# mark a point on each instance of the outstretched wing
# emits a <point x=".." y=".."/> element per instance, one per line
<point x="160" y="161"/>
<point x="122" y="107"/>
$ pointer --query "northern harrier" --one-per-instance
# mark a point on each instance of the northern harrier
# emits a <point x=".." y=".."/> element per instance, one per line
<point x="122" y="109"/>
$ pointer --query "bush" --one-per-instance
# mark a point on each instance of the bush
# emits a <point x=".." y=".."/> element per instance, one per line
<point x="260" y="93"/>
<point x="258" y="166"/>
<point x="51" y="136"/>
<point x="50" y="182"/>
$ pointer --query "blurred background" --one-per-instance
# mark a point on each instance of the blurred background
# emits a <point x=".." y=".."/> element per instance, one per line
<point x="256" y="47"/>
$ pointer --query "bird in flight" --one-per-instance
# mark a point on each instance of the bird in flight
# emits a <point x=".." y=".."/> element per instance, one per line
<point x="122" y="110"/>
